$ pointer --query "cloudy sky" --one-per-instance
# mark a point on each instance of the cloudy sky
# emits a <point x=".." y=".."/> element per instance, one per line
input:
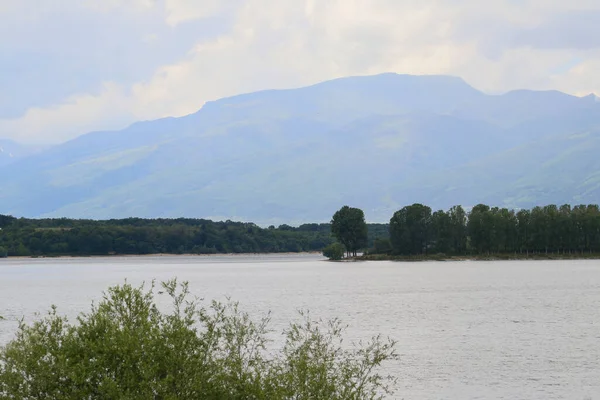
<point x="72" y="66"/>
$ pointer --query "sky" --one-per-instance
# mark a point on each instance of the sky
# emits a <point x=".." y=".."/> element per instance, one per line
<point x="68" y="67"/>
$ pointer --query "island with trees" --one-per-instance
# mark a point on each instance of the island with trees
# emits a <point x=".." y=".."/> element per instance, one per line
<point x="417" y="233"/>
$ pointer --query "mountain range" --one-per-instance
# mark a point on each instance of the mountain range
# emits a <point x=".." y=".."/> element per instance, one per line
<point x="291" y="156"/>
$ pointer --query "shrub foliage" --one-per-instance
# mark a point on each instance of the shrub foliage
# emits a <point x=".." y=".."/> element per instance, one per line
<point x="125" y="347"/>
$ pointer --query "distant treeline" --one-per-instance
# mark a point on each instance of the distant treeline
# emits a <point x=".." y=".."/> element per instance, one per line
<point x="55" y="237"/>
<point x="413" y="230"/>
<point x="416" y="230"/>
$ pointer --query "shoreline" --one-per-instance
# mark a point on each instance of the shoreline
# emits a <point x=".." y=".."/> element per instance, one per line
<point x="480" y="257"/>
<point x="369" y="257"/>
<point x="67" y="257"/>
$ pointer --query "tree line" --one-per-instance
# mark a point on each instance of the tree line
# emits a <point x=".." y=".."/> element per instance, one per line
<point x="416" y="230"/>
<point x="412" y="230"/>
<point x="62" y="236"/>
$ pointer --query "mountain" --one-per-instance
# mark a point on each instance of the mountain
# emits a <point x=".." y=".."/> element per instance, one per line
<point x="11" y="151"/>
<point x="375" y="142"/>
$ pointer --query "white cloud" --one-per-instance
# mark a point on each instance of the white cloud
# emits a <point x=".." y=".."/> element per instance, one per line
<point x="179" y="11"/>
<point x="111" y="5"/>
<point x="582" y="79"/>
<point x="290" y="43"/>
<point x="77" y="115"/>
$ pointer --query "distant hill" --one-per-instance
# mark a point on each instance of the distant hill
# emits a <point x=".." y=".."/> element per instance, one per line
<point x="375" y="142"/>
<point x="11" y="151"/>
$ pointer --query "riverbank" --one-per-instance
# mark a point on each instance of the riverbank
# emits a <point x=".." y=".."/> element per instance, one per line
<point x="70" y="257"/>
<point x="480" y="257"/>
<point x="367" y="257"/>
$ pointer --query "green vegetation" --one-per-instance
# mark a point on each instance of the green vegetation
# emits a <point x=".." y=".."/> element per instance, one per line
<point x="382" y="246"/>
<point x="126" y="348"/>
<point x="349" y="227"/>
<point x="492" y="232"/>
<point x="334" y="251"/>
<point x="414" y="230"/>
<point x="56" y="237"/>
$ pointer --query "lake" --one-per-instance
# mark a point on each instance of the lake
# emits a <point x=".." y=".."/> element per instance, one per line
<point x="465" y="330"/>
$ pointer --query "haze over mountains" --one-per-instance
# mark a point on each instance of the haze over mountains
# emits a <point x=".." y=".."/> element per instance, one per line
<point x="11" y="151"/>
<point x="290" y="156"/>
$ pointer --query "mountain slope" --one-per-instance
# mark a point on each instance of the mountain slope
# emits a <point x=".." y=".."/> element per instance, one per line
<point x="558" y="169"/>
<point x="297" y="155"/>
<point x="11" y="152"/>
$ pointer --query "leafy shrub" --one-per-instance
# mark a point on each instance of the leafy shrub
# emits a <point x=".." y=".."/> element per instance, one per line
<point x="334" y="251"/>
<point x="126" y="348"/>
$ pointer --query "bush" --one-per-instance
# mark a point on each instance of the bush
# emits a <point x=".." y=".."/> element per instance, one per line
<point x="126" y="348"/>
<point x="334" y="251"/>
<point x="3" y="252"/>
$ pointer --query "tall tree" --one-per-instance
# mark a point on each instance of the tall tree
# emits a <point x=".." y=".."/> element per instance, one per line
<point x="523" y="231"/>
<point x="566" y="228"/>
<point x="458" y="223"/>
<point x="479" y="227"/>
<point x="539" y="230"/>
<point x="410" y="229"/>
<point x="349" y="227"/>
<point x="441" y="232"/>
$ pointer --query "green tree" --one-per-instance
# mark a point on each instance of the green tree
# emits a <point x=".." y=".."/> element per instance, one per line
<point x="565" y="228"/>
<point x="21" y="250"/>
<point x="523" y="231"/>
<point x="458" y="226"/>
<point x="3" y="252"/>
<point x="349" y="227"/>
<point x="126" y="348"/>
<point x="382" y="246"/>
<point x="592" y="227"/>
<point x="410" y="229"/>
<point x="539" y="230"/>
<point x="480" y="228"/>
<point x="441" y="232"/>
<point x="334" y="251"/>
<point x="6" y="220"/>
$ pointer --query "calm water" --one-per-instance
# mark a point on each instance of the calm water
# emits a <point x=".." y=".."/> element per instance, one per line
<point x="466" y="330"/>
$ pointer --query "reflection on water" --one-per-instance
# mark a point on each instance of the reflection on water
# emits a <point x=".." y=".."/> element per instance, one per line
<point x="466" y="330"/>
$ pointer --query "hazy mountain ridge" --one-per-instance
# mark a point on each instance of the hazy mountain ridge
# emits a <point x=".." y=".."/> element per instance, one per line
<point x="11" y="151"/>
<point x="296" y="155"/>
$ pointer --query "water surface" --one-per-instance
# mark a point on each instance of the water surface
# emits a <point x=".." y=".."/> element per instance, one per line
<point x="466" y="330"/>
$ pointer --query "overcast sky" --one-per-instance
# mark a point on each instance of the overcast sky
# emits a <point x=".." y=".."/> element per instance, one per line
<point x="68" y="67"/>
